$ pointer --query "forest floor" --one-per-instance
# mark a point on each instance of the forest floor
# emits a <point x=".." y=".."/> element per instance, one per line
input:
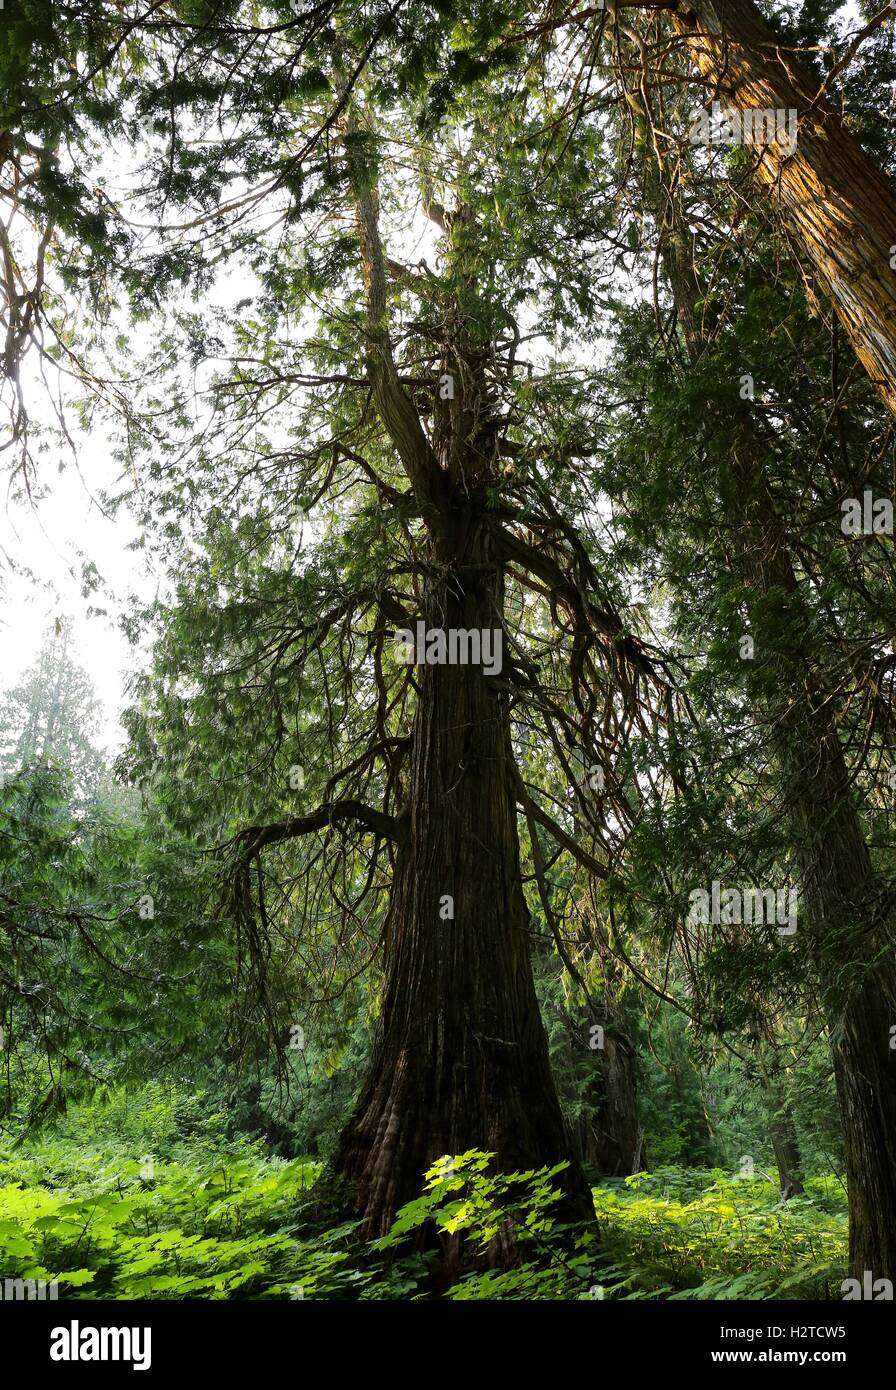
<point x="121" y="1203"/>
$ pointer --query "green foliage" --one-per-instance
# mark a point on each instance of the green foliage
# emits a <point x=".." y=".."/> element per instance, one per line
<point x="95" y="920"/>
<point x="221" y="1221"/>
<point x="134" y="1228"/>
<point x="295" y="546"/>
<point x="684" y="1233"/>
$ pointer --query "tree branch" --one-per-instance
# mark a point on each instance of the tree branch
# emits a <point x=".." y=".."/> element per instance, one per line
<point x="396" y="409"/>
<point x="255" y="837"/>
<point x="532" y="809"/>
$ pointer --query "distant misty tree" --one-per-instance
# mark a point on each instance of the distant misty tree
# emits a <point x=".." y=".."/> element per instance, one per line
<point x="53" y="716"/>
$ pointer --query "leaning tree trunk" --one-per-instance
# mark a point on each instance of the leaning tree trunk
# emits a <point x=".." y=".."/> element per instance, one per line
<point x="841" y="207"/>
<point x="846" y="908"/>
<point x="460" y="1059"/>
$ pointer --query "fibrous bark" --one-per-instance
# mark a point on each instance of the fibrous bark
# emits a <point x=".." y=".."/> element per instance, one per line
<point x="460" y="1058"/>
<point x="840" y="206"/>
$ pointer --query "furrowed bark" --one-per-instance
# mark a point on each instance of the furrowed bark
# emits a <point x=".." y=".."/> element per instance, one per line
<point x="460" y="1057"/>
<point x="840" y="206"/>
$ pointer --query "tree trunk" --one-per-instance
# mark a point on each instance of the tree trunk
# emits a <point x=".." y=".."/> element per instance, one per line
<point x="787" y="1158"/>
<point x="853" y="951"/>
<point x="611" y="1136"/>
<point x="460" y="1058"/>
<point x="843" y="902"/>
<point x="845" y="907"/>
<point x="785" y="1144"/>
<point x="841" y="207"/>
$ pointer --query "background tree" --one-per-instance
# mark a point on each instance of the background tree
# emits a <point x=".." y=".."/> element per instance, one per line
<point x="783" y="579"/>
<point x="54" y="715"/>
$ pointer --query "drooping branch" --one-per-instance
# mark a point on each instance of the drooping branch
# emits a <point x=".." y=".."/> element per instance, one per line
<point x="251" y="841"/>
<point x="550" y="915"/>
<point x="512" y="549"/>
<point x="532" y="809"/>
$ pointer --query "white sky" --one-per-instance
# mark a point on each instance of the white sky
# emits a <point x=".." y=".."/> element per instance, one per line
<point x="55" y="538"/>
